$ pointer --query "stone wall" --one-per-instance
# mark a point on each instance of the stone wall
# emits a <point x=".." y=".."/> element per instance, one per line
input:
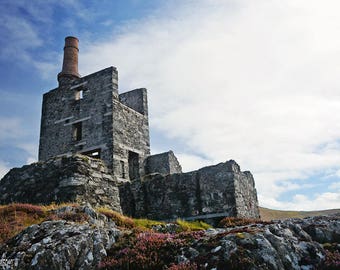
<point x="211" y="192"/>
<point x="131" y="143"/>
<point x="62" y="179"/>
<point x="163" y="163"/>
<point x="63" y="109"/>
<point x="86" y="115"/>
<point x="136" y="100"/>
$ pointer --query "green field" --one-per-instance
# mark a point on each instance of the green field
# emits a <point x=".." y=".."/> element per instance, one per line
<point x="270" y="214"/>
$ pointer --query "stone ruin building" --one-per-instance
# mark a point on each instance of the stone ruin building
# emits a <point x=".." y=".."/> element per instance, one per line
<point x="87" y="116"/>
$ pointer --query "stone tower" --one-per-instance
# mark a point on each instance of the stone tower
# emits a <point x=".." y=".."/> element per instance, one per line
<point x="87" y="115"/>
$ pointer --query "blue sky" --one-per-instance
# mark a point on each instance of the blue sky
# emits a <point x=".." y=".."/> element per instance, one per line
<point x="253" y="81"/>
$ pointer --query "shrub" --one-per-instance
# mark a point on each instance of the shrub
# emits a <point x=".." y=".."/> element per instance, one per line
<point x="152" y="251"/>
<point x="332" y="257"/>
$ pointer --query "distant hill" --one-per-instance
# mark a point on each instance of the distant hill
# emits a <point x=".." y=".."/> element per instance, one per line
<point x="269" y="214"/>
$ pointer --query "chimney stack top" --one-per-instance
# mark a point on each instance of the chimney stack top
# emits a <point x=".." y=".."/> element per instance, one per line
<point x="70" y="61"/>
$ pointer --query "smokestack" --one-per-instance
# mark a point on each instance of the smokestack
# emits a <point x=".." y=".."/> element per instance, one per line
<point x="70" y="62"/>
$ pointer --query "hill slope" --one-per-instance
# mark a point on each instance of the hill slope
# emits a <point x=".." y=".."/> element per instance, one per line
<point x="270" y="214"/>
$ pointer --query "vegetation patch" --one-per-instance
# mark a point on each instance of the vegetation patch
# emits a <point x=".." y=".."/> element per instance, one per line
<point x="233" y="221"/>
<point x="147" y="223"/>
<point x="143" y="251"/>
<point x="16" y="217"/>
<point x="119" y="219"/>
<point x="332" y="257"/>
<point x="192" y="225"/>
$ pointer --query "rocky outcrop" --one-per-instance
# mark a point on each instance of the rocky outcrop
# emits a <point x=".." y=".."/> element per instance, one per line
<point x="281" y="245"/>
<point x="60" y="244"/>
<point x="210" y="193"/>
<point x="62" y="179"/>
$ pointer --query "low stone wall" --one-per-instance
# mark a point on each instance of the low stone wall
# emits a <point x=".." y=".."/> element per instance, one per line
<point x="210" y="193"/>
<point x="214" y="191"/>
<point x="62" y="179"/>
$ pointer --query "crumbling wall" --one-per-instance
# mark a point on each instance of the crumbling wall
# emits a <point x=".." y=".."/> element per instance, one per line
<point x="211" y="192"/>
<point x="135" y="99"/>
<point x="163" y="163"/>
<point x="62" y="179"/>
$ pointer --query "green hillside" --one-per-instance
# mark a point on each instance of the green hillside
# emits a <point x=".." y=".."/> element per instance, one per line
<point x="269" y="214"/>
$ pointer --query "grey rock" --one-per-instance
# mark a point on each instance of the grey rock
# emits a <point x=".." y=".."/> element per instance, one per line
<point x="61" y="244"/>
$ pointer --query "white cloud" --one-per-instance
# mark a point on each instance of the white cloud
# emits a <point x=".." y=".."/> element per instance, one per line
<point x="3" y="169"/>
<point x="257" y="82"/>
<point x="335" y="186"/>
<point x="327" y="200"/>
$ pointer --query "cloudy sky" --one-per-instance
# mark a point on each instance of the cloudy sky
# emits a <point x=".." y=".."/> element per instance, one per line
<point x="254" y="81"/>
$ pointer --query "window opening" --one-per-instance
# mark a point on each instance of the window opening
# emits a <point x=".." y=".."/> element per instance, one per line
<point x="77" y="131"/>
<point x="133" y="165"/>
<point x="79" y="94"/>
<point x="122" y="168"/>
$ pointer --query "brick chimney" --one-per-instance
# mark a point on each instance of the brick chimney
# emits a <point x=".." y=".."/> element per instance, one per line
<point x="70" y="62"/>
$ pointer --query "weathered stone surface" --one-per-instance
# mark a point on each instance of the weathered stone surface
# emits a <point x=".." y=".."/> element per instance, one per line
<point x="61" y="244"/>
<point x="211" y="192"/>
<point x="163" y="163"/>
<point x="282" y="245"/>
<point x="62" y="179"/>
<point x="88" y="116"/>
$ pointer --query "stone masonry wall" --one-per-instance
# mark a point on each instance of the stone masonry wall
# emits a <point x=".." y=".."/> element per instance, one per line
<point x="135" y="99"/>
<point x="130" y="135"/>
<point x="114" y="126"/>
<point x="206" y="193"/>
<point x="163" y="163"/>
<point x="62" y="179"/>
<point x="62" y="110"/>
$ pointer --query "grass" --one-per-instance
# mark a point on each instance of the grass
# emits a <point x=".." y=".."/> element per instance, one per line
<point x="17" y="216"/>
<point x="146" y="223"/>
<point x="192" y="225"/>
<point x="119" y="219"/>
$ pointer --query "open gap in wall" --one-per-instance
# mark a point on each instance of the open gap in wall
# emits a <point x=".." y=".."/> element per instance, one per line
<point x="93" y="153"/>
<point x="133" y="165"/>
<point x="122" y="169"/>
<point x="79" y="94"/>
<point x="77" y="131"/>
